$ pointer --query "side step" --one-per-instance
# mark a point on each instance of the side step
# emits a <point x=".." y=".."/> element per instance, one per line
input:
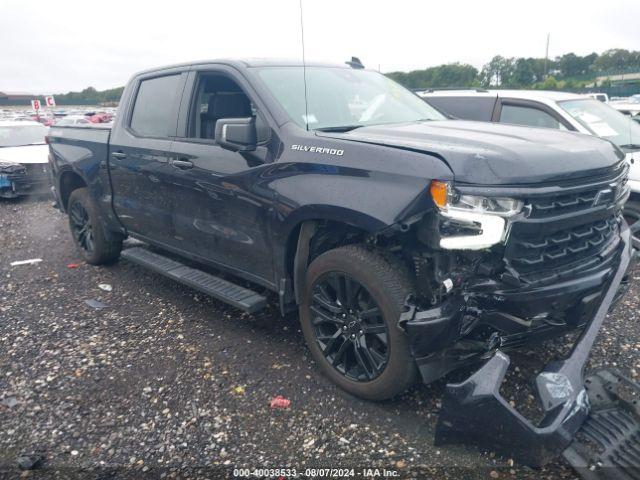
<point x="228" y="292"/>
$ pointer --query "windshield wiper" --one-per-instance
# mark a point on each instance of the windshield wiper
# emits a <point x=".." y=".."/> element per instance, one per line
<point x="341" y="128"/>
<point x="631" y="145"/>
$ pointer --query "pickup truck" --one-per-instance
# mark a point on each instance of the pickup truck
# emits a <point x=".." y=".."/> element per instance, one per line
<point x="410" y="244"/>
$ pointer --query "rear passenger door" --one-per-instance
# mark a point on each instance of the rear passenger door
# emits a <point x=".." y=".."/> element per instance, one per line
<point x="529" y="113"/>
<point x="140" y="151"/>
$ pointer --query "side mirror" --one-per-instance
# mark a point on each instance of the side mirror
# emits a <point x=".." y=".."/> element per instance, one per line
<point x="237" y="134"/>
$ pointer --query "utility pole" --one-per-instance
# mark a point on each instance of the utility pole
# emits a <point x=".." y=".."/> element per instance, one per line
<point x="546" y="58"/>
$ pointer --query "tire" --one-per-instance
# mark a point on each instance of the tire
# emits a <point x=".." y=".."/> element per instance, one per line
<point x="632" y="215"/>
<point x="378" y="283"/>
<point x="88" y="231"/>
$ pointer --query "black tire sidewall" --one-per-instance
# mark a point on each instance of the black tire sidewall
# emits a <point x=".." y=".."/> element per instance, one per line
<point x="400" y="370"/>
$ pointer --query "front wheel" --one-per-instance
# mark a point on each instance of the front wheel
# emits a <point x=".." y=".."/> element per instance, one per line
<point x="88" y="232"/>
<point x="349" y="315"/>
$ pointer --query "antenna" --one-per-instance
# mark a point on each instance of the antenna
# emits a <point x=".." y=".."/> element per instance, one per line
<point x="304" y="72"/>
<point x="546" y="57"/>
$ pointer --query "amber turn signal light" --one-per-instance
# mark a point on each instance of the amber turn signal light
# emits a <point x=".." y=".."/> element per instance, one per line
<point x="438" y="192"/>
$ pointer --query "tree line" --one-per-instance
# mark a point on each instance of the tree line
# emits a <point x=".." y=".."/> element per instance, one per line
<point x="90" y="96"/>
<point x="566" y="71"/>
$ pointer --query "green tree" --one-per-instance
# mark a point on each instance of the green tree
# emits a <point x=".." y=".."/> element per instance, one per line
<point x="550" y="83"/>
<point x="442" y="76"/>
<point x="498" y="72"/>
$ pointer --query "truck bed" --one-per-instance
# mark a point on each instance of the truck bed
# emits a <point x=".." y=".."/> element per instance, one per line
<point x="68" y="138"/>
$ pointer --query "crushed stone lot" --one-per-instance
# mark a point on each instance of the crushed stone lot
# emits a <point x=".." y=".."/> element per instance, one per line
<point x="164" y="381"/>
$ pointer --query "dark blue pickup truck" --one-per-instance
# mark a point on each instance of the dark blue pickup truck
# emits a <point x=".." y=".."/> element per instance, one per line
<point x="410" y="244"/>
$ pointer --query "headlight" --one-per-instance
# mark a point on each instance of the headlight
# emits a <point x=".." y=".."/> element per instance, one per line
<point x="446" y="198"/>
<point x="481" y="220"/>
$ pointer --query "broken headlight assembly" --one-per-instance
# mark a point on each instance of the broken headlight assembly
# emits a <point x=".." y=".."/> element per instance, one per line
<point x="471" y="222"/>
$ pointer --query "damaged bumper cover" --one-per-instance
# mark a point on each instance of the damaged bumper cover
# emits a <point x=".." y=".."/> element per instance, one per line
<point x="474" y="411"/>
<point x="18" y="179"/>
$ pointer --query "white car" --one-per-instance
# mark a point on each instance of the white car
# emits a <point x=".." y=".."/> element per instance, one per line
<point x="73" y="121"/>
<point x="629" y="106"/>
<point x="559" y="110"/>
<point x="24" y="164"/>
<point x="603" y="97"/>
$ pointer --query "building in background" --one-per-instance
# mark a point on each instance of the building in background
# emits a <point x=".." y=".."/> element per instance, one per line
<point x="15" y="98"/>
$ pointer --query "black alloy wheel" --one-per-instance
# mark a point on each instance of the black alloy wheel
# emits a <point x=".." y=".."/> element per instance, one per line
<point x="349" y="328"/>
<point x="81" y="227"/>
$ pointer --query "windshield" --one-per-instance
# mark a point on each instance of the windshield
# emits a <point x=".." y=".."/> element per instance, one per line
<point x="603" y="121"/>
<point x="343" y="97"/>
<point x="19" y="135"/>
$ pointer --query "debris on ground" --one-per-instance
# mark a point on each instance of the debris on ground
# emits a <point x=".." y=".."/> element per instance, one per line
<point x="105" y="286"/>
<point x="31" y="261"/>
<point x="73" y="265"/>
<point x="29" y="461"/>
<point x="280" y="402"/>
<point x="98" y="305"/>
<point x="10" y="401"/>
<point x="239" y="390"/>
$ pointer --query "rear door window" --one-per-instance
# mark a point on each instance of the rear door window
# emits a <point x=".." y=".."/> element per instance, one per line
<point x="153" y="112"/>
<point x="528" y="116"/>
<point x="466" y="108"/>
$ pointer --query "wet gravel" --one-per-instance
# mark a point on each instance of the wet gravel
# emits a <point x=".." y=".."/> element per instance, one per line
<point x="165" y="382"/>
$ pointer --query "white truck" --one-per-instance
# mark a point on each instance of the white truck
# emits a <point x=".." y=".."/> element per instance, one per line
<point x="557" y="110"/>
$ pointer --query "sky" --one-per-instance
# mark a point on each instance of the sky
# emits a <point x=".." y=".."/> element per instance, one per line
<point x="55" y="47"/>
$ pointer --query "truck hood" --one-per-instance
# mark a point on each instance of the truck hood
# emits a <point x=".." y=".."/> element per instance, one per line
<point x="494" y="154"/>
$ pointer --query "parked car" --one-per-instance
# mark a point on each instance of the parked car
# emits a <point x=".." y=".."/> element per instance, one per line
<point x="99" y="117"/>
<point x="410" y="244"/>
<point x="73" y="121"/>
<point x="628" y="106"/>
<point x="23" y="159"/>
<point x="557" y="110"/>
<point x="602" y="97"/>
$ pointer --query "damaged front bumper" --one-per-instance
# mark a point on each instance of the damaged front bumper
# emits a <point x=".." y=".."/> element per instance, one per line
<point x="474" y="411"/>
<point x="18" y="179"/>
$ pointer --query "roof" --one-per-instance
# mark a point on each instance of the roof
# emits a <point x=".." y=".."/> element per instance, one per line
<point x="249" y="63"/>
<point x="524" y="94"/>
<point x="18" y="123"/>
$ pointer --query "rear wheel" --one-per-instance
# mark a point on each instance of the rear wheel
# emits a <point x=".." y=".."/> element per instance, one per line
<point x="88" y="232"/>
<point x="632" y="216"/>
<point x="349" y="315"/>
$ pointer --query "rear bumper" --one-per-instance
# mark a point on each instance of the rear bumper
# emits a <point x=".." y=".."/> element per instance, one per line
<point x="474" y="411"/>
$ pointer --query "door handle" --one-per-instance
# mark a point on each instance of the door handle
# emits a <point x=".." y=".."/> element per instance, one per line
<point x="181" y="164"/>
<point x="119" y="155"/>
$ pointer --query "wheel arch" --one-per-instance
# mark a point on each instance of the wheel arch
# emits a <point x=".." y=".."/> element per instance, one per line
<point x="69" y="181"/>
<point x="313" y="234"/>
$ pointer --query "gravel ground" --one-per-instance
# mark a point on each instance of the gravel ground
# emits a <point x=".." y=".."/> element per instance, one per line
<point x="166" y="382"/>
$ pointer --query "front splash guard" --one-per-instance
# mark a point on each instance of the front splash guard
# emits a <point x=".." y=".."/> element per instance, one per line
<point x="474" y="411"/>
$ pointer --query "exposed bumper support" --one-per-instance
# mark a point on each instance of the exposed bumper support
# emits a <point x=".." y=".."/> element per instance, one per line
<point x="474" y="411"/>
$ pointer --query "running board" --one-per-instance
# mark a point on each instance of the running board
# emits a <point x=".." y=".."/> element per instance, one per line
<point x="228" y="292"/>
